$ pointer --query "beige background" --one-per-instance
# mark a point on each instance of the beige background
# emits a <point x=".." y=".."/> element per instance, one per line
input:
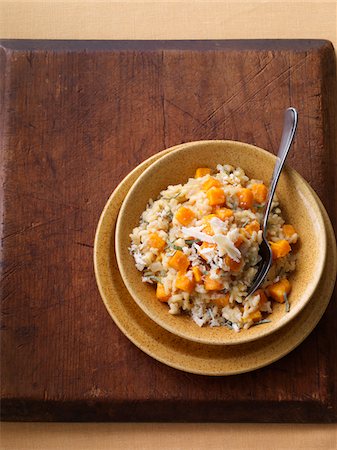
<point x="168" y="20"/>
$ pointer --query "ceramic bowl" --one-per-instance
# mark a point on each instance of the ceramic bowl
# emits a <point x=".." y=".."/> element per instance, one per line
<point x="299" y="207"/>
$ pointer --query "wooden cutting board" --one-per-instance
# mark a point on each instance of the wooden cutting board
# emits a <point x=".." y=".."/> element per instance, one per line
<point x="76" y="118"/>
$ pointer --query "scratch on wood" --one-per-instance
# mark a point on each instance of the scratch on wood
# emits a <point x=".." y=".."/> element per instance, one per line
<point x="7" y="296"/>
<point x="53" y="202"/>
<point x="84" y="245"/>
<point x="241" y="106"/>
<point x="51" y="163"/>
<point x="185" y="112"/>
<point x="10" y="269"/>
<point x="284" y="72"/>
<point x="236" y="93"/>
<point x="31" y="227"/>
<point x="29" y="58"/>
<point x="268" y="135"/>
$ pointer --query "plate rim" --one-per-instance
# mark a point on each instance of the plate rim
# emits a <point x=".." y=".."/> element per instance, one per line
<point x="181" y="366"/>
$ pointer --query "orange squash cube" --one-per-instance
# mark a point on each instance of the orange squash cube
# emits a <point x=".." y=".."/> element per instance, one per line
<point x="161" y="294"/>
<point x="239" y="241"/>
<point x="256" y="316"/>
<point x="179" y="261"/>
<point x="280" y="248"/>
<point x="201" y="172"/>
<point x="211" y="182"/>
<point x="207" y="227"/>
<point x="260" y="192"/>
<point x="233" y="265"/>
<point x="197" y="274"/>
<point x="184" y="283"/>
<point x="216" y="196"/>
<point x="263" y="297"/>
<point x="185" y="215"/>
<point x="288" y="230"/>
<point x="221" y="302"/>
<point x="207" y="218"/>
<point x="246" y="198"/>
<point x="155" y="241"/>
<point x="212" y="285"/>
<point x="277" y="290"/>
<point x="224" y="213"/>
<point x="252" y="226"/>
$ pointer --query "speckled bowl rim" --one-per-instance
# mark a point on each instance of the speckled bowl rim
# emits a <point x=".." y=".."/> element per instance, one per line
<point x="150" y="338"/>
<point x="238" y="338"/>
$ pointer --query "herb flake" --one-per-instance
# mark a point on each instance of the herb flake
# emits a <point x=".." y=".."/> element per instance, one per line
<point x="191" y="241"/>
<point x="154" y="278"/>
<point x="261" y="322"/>
<point x="175" y="247"/>
<point x="229" y="325"/>
<point x="171" y="198"/>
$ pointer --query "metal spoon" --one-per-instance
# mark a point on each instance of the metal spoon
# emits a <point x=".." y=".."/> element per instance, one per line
<point x="289" y="128"/>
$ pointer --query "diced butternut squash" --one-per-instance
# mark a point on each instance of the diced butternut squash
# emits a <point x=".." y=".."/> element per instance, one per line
<point x="246" y="198"/>
<point x="278" y="290"/>
<point x="211" y="182"/>
<point x="256" y="316"/>
<point x="155" y="241"/>
<point x="207" y="226"/>
<point x="185" y="215"/>
<point x="288" y="230"/>
<point x="201" y="172"/>
<point x="263" y="297"/>
<point x="207" y="218"/>
<point x="224" y="213"/>
<point x="197" y="274"/>
<point x="212" y="285"/>
<point x="280" y="248"/>
<point x="203" y="246"/>
<point x="260" y="192"/>
<point x="184" y="283"/>
<point x="252" y="226"/>
<point x="179" y="261"/>
<point x="221" y="302"/>
<point x="216" y="196"/>
<point x="161" y="293"/>
<point x="239" y="241"/>
<point x="233" y="265"/>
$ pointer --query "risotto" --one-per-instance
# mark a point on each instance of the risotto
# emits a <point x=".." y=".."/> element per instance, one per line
<point x="198" y="243"/>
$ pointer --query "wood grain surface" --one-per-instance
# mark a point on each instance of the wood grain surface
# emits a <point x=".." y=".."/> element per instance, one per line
<point x="77" y="117"/>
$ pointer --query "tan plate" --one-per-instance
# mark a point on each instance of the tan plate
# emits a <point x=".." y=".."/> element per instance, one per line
<point x="180" y="353"/>
<point x="299" y="207"/>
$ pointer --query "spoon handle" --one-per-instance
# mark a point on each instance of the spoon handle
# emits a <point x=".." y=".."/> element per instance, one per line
<point x="289" y="128"/>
